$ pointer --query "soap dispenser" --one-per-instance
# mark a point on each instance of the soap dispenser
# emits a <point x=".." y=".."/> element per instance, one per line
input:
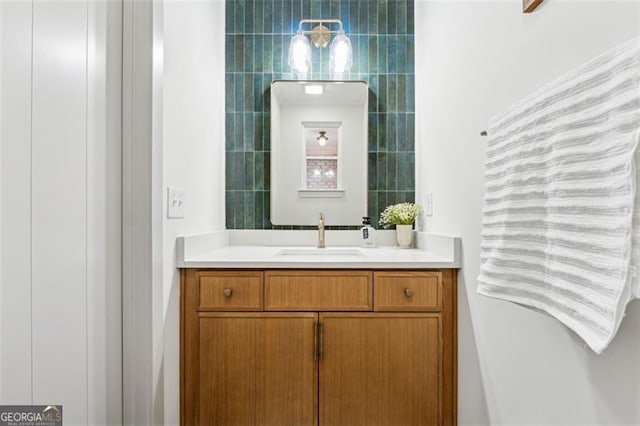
<point x="367" y="233"/>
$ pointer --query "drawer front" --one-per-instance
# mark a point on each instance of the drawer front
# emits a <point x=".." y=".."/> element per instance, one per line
<point x="231" y="291"/>
<point x="318" y="291"/>
<point x="407" y="291"/>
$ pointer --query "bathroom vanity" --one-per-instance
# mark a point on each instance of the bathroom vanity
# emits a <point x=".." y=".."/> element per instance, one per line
<point x="305" y="337"/>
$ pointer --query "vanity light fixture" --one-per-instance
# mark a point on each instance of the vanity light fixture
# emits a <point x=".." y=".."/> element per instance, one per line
<point x="340" y="56"/>
<point x="322" y="138"/>
<point x="300" y="54"/>
<point x="340" y="53"/>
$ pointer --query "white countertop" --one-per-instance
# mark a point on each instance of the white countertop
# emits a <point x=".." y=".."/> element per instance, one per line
<point x="288" y="250"/>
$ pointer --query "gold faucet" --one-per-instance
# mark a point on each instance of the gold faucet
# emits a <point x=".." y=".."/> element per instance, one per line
<point x="321" y="230"/>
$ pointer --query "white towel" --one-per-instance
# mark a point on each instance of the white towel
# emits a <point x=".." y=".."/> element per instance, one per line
<point x="561" y="223"/>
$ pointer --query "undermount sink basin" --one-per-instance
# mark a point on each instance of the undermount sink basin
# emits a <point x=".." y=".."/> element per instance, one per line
<point x="313" y="251"/>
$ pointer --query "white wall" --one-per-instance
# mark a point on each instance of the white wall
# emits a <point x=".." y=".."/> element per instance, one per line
<point x="474" y="59"/>
<point x="60" y="329"/>
<point x="193" y="154"/>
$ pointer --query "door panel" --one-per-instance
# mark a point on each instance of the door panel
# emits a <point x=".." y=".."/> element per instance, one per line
<point x="257" y="369"/>
<point x="381" y="369"/>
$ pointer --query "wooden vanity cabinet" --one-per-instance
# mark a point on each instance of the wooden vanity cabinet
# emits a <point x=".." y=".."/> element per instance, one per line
<point x="318" y="347"/>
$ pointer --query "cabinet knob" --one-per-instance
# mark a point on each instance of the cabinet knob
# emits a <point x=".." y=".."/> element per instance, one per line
<point x="227" y="292"/>
<point x="408" y="292"/>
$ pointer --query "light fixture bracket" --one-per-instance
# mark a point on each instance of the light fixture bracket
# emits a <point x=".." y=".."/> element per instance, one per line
<point x="320" y="23"/>
<point x="320" y="36"/>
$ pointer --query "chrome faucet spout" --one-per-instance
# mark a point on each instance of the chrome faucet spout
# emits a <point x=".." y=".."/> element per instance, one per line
<point x="321" y="230"/>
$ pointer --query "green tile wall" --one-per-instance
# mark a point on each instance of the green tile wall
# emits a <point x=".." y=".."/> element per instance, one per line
<point x="257" y="42"/>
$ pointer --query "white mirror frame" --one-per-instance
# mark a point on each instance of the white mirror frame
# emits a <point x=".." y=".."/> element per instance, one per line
<point x="343" y="104"/>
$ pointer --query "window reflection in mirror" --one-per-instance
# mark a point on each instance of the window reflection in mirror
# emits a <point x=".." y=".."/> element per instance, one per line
<point x="322" y="156"/>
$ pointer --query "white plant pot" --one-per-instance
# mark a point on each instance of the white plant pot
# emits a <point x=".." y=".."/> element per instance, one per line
<point x="404" y="235"/>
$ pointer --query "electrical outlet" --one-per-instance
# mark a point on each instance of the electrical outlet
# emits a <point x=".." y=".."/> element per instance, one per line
<point x="428" y="204"/>
<point x="175" y="203"/>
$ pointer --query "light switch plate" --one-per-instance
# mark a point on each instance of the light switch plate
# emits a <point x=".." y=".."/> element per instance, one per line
<point x="175" y="203"/>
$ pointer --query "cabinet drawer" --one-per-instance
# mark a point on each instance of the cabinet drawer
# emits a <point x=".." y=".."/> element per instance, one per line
<point x="231" y="291"/>
<point x="318" y="291"/>
<point x="407" y="291"/>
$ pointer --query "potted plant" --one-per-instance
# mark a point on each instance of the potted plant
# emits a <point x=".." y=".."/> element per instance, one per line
<point x="403" y="216"/>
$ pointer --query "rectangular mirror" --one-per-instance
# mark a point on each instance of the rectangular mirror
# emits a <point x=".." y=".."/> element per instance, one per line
<point x="318" y="152"/>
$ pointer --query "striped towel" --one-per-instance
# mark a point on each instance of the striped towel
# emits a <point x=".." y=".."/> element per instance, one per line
<point x="561" y="223"/>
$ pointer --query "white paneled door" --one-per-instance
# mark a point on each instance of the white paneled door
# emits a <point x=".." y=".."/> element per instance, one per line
<point x="60" y="207"/>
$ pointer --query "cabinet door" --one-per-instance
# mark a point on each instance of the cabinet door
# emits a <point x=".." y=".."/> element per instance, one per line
<point x="381" y="369"/>
<point x="257" y="369"/>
